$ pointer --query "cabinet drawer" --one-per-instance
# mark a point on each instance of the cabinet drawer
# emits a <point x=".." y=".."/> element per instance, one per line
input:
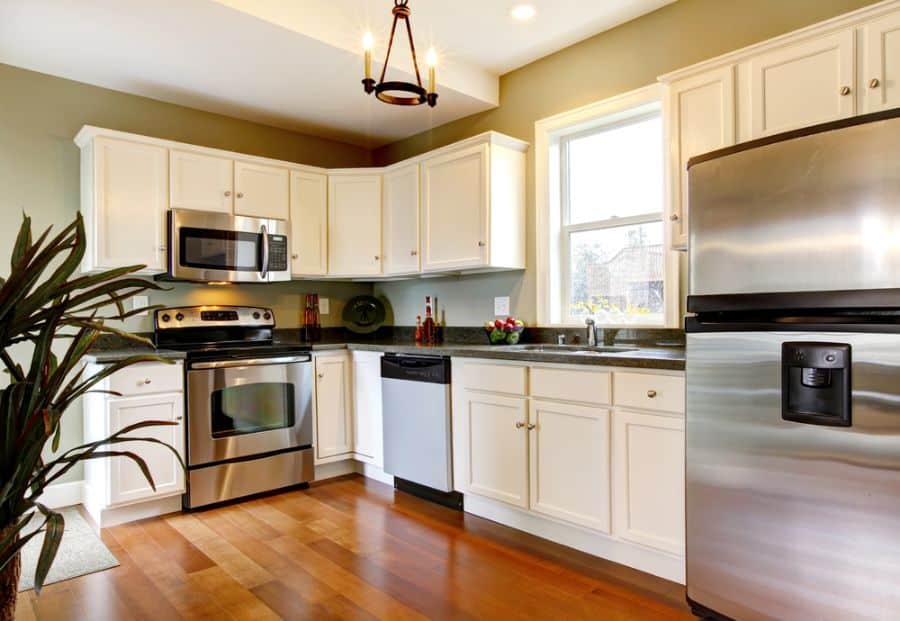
<point x="576" y="384"/>
<point x="649" y="392"/>
<point x="508" y="379"/>
<point x="143" y="379"/>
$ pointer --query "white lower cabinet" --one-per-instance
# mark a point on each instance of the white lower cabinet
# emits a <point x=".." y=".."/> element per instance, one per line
<point x="334" y="406"/>
<point x="569" y="456"/>
<point x="368" y="443"/>
<point x="116" y="490"/>
<point x="648" y="494"/>
<point x="497" y="447"/>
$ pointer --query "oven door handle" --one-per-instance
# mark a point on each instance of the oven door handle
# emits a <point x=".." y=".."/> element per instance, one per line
<point x="265" y="251"/>
<point x="249" y="362"/>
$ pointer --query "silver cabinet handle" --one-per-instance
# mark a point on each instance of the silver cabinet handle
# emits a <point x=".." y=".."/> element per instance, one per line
<point x="874" y="83"/>
<point x="531" y="426"/>
<point x="249" y="362"/>
<point x="227" y="192"/>
<point x="674" y="217"/>
<point x="519" y="424"/>
<point x="845" y="90"/>
<point x="651" y="394"/>
<point x="240" y="195"/>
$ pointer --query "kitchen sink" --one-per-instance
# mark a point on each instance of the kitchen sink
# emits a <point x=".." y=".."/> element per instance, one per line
<point x="571" y="349"/>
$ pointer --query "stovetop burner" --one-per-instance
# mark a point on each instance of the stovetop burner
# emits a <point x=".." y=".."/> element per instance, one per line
<point x="220" y="332"/>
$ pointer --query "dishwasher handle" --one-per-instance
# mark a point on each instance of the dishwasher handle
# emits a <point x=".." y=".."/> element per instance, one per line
<point x="414" y="368"/>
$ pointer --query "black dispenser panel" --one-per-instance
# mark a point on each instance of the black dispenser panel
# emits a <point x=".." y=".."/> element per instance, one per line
<point x="815" y="383"/>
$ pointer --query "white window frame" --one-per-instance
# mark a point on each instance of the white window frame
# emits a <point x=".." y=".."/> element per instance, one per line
<point x="551" y="233"/>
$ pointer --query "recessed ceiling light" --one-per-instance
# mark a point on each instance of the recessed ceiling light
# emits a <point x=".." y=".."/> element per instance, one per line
<point x="523" y="12"/>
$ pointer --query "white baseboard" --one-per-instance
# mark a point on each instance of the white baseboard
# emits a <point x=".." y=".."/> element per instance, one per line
<point x="371" y="471"/>
<point x="61" y="495"/>
<point x="334" y="469"/>
<point x="653" y="562"/>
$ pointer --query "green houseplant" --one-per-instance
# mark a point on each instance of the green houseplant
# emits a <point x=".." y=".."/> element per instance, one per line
<point x="43" y="302"/>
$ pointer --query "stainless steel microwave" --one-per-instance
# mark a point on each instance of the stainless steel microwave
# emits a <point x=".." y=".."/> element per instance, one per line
<point x="207" y="247"/>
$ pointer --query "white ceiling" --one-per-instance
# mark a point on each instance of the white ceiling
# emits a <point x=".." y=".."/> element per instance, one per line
<point x="295" y="63"/>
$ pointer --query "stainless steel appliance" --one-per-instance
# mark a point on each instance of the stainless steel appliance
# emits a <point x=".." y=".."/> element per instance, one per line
<point x="415" y="393"/>
<point x="248" y="398"/>
<point x="207" y="246"/>
<point x="793" y="376"/>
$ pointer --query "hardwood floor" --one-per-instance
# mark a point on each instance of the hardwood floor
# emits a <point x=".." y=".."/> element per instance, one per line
<point x="348" y="548"/>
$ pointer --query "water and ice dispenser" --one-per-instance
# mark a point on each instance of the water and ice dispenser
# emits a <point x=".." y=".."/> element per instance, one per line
<point x="815" y="384"/>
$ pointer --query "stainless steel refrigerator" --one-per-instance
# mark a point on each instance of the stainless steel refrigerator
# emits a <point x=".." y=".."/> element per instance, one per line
<point x="793" y="376"/>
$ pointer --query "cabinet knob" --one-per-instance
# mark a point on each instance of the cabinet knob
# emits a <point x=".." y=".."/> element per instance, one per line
<point x="321" y="376"/>
<point x="179" y="417"/>
<point x="874" y="83"/>
<point x="674" y="217"/>
<point x="240" y="195"/>
<point x="531" y="426"/>
<point x="845" y="90"/>
<point x="162" y="248"/>
<point x="651" y="394"/>
<point x="519" y="424"/>
<point x="377" y="258"/>
<point x="295" y="256"/>
<point x="481" y="244"/>
<point x="413" y="253"/>
<point x="147" y="380"/>
<point x="227" y="192"/>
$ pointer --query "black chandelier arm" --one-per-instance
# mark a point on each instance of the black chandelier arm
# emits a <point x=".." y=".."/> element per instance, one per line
<point x="387" y="57"/>
<point x="412" y="47"/>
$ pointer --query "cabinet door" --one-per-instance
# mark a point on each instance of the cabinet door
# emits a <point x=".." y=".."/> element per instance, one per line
<point x="127" y="483"/>
<point x="498" y="447"/>
<point x="201" y="182"/>
<point x="881" y="63"/>
<point x="131" y="195"/>
<point x="261" y="191"/>
<point x="569" y="457"/>
<point x="367" y="432"/>
<point x="454" y="209"/>
<point x="334" y="427"/>
<point x="401" y="220"/>
<point x="354" y="225"/>
<point x="803" y="84"/>
<point x="701" y="119"/>
<point x="309" y="224"/>
<point x="648" y="466"/>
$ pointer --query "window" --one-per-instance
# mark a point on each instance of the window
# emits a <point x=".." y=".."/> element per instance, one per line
<point x="601" y="199"/>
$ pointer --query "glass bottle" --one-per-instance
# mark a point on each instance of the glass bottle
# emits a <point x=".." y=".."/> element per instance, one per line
<point x="428" y="325"/>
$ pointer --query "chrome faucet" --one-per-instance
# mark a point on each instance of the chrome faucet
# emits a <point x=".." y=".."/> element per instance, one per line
<point x="591" y="332"/>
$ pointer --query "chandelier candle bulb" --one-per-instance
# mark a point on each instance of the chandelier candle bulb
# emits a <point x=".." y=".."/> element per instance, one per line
<point x="368" y="42"/>
<point x="431" y="61"/>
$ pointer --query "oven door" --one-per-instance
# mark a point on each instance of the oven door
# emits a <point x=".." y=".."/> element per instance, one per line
<point x="241" y="408"/>
<point x="220" y="247"/>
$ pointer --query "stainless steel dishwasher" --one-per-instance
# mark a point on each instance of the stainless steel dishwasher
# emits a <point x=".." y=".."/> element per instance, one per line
<point x="416" y="415"/>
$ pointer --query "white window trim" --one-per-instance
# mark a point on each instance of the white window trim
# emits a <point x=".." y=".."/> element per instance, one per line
<point x="547" y="135"/>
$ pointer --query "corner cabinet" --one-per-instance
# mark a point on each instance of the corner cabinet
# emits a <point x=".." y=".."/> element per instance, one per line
<point x="124" y="198"/>
<point x="473" y="205"/>
<point x="334" y="407"/>
<point x="368" y="442"/>
<point x="354" y="224"/>
<point x="116" y="489"/>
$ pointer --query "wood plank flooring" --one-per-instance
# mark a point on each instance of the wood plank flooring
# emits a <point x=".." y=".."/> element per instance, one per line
<point x="349" y="548"/>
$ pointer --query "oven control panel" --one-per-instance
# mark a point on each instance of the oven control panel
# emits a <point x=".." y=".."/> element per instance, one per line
<point x="213" y="317"/>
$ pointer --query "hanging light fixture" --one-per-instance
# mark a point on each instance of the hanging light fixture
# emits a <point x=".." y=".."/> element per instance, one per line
<point x="410" y="94"/>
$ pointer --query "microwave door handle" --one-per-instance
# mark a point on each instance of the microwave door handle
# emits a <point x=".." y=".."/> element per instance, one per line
<point x="264" y="274"/>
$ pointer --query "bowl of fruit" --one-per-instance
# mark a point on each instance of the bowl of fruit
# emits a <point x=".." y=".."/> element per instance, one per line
<point x="506" y="332"/>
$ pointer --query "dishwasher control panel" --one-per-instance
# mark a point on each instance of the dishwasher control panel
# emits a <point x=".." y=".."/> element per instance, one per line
<point x="416" y="368"/>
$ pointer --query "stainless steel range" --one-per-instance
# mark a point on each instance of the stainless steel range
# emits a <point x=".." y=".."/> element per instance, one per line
<point x="248" y="401"/>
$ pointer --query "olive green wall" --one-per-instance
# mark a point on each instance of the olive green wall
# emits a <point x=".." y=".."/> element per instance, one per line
<point x="39" y="174"/>
<point x="613" y="62"/>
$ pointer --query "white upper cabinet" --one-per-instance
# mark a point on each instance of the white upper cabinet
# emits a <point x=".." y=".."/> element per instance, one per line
<point x="261" y="191"/>
<point x="473" y="205"/>
<point x="354" y="224"/>
<point x="201" y="182"/>
<point x="803" y="84"/>
<point x="701" y="119"/>
<point x="400" y="221"/>
<point x="881" y="64"/>
<point x="309" y="223"/>
<point x="124" y="197"/>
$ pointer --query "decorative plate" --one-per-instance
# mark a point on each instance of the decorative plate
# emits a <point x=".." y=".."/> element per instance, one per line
<point x="363" y="314"/>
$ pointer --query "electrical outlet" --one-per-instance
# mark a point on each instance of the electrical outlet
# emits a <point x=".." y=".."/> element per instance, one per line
<point x="323" y="306"/>
<point x="501" y="306"/>
<point x="140" y="301"/>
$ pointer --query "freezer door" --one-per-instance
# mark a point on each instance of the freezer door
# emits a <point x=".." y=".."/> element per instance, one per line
<point x="786" y="518"/>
